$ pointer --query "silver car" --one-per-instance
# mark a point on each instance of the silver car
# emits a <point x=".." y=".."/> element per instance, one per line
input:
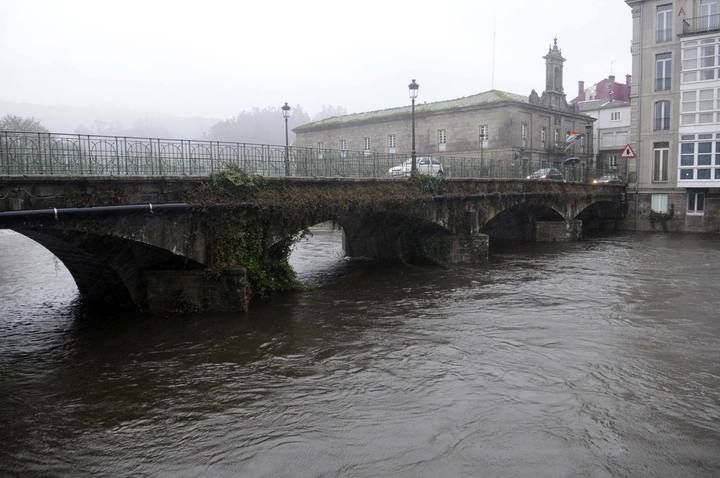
<point x="609" y="179"/>
<point x="547" y="173"/>
<point x="426" y="165"/>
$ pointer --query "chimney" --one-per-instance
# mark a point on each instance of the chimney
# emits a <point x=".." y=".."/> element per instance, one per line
<point x="628" y="79"/>
<point x="611" y="78"/>
<point x="581" y="91"/>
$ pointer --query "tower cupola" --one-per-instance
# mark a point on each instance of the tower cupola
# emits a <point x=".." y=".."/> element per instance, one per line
<point x="554" y="69"/>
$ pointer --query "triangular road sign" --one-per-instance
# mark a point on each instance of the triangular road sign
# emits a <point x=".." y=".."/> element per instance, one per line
<point x="628" y="152"/>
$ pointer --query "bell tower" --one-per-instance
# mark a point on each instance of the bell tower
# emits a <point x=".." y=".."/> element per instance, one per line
<point x="554" y="94"/>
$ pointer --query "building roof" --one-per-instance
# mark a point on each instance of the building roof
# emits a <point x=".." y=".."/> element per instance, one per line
<point x="481" y="99"/>
<point x="605" y="89"/>
<point x="585" y="106"/>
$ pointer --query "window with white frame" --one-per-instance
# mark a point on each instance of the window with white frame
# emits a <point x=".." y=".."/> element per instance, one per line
<point x="391" y="142"/>
<point x="612" y="161"/>
<point x="483" y="135"/>
<point x="661" y="153"/>
<point x="321" y="149"/>
<point x="607" y="139"/>
<point x="614" y="116"/>
<point x="343" y="148"/>
<point x="696" y="202"/>
<point x="664" y="23"/>
<point x="709" y="14"/>
<point x="699" y="106"/>
<point x="621" y="137"/>
<point x="556" y="137"/>
<point x="613" y="139"/>
<point x="543" y="134"/>
<point x="659" y="203"/>
<point x="442" y="139"/>
<point x="523" y="134"/>
<point x="708" y="8"/>
<point x="700" y="60"/>
<point x="663" y="71"/>
<point x="367" y="144"/>
<point x="442" y="136"/>
<point x="662" y="115"/>
<point x="700" y="157"/>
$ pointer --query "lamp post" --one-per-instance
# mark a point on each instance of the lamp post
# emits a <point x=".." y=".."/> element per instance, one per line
<point x="286" y="115"/>
<point x="413" y="87"/>
<point x="483" y="136"/>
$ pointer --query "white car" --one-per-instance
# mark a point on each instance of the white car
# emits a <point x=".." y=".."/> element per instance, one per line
<point x="425" y="165"/>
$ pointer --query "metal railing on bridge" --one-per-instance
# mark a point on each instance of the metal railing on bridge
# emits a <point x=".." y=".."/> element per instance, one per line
<point x="51" y="154"/>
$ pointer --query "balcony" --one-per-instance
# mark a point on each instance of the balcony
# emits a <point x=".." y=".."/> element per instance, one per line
<point x="697" y="25"/>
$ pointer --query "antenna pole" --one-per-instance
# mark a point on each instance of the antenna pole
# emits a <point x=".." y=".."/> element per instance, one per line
<point x="492" y="80"/>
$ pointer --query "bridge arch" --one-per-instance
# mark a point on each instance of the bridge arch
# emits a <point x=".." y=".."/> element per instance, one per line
<point x="109" y="271"/>
<point x="518" y="222"/>
<point x="404" y="236"/>
<point x="600" y="217"/>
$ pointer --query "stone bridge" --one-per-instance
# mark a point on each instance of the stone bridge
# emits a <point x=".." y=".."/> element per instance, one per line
<point x="185" y="244"/>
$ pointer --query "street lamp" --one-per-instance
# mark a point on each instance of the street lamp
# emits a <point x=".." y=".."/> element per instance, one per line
<point x="286" y="115"/>
<point x="413" y="87"/>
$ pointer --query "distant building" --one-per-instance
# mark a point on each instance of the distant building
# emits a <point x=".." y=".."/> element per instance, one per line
<point x="606" y="89"/>
<point x="611" y="133"/>
<point x="495" y="123"/>
<point x="675" y="126"/>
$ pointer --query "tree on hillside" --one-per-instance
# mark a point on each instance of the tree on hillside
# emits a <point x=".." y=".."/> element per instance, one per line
<point x="328" y="111"/>
<point x="19" y="124"/>
<point x="265" y="126"/>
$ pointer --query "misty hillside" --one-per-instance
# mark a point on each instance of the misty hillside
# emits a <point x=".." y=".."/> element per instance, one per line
<point x="257" y="125"/>
<point x="110" y="120"/>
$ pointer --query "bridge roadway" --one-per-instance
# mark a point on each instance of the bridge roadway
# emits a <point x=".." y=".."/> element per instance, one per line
<point x="164" y="244"/>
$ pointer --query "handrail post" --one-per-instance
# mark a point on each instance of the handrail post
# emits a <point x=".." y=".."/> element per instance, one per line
<point x="159" y="153"/>
<point x="182" y="157"/>
<point x="152" y="164"/>
<point x="117" y="155"/>
<point x="125" y="155"/>
<point x="212" y="159"/>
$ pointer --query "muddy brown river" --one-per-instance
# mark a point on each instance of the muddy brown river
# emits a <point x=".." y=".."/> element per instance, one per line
<point x="591" y="359"/>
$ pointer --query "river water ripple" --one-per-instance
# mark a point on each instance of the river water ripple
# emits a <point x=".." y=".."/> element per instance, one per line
<point x="598" y="358"/>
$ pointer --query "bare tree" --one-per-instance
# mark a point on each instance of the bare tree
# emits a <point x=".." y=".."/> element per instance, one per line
<point x="19" y="124"/>
<point x="258" y="126"/>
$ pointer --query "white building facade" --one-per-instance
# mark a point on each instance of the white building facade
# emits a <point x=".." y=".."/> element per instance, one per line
<point x="675" y="125"/>
<point x="611" y="133"/>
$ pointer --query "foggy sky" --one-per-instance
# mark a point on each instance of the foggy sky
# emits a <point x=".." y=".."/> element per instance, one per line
<point x="215" y="58"/>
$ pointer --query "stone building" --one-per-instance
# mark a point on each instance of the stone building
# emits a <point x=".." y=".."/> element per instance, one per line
<point x="675" y="125"/>
<point x="493" y="124"/>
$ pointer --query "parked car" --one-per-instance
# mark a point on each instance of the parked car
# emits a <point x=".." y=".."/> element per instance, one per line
<point x="426" y="165"/>
<point x="547" y="173"/>
<point x="609" y="179"/>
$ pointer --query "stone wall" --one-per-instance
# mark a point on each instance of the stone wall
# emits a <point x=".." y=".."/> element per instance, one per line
<point x="681" y="221"/>
<point x="558" y="231"/>
<point x="462" y="127"/>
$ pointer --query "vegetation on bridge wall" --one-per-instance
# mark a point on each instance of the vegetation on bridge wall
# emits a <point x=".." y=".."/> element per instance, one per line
<point x="241" y="237"/>
<point x="240" y="240"/>
<point x="261" y="220"/>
